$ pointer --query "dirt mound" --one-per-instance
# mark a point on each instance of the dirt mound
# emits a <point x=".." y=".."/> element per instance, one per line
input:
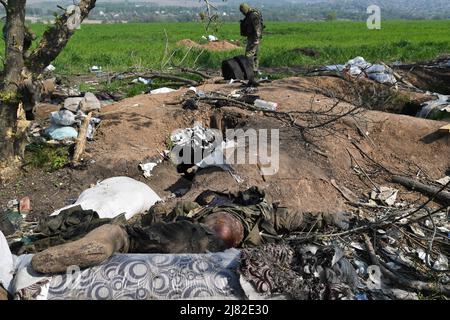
<point x="136" y="130"/>
<point x="222" y="45"/>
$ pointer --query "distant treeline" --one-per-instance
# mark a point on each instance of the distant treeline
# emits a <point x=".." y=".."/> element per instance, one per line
<point x="302" y="10"/>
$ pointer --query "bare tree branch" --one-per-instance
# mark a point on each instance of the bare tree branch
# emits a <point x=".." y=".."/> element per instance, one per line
<point x="55" y="39"/>
<point x="5" y="4"/>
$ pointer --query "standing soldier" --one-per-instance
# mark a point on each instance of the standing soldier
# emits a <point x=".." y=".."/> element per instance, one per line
<point x="252" y="27"/>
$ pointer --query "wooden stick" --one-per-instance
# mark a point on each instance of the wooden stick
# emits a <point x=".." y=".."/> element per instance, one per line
<point x="412" y="284"/>
<point x="81" y="141"/>
<point x="436" y="192"/>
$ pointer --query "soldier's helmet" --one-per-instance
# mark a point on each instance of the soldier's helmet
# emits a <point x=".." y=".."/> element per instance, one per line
<point x="244" y="8"/>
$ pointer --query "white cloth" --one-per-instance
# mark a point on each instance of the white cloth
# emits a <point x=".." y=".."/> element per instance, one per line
<point x="115" y="196"/>
<point x="6" y="263"/>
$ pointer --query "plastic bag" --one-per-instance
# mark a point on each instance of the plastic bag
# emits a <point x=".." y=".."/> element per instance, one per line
<point x="59" y="133"/>
<point x="63" y="118"/>
<point x="115" y="196"/>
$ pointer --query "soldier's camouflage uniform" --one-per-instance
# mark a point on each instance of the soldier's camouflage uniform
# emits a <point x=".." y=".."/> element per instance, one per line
<point x="252" y="27"/>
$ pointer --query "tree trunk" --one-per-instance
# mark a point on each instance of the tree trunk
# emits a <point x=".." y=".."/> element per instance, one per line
<point x="19" y="85"/>
<point x="13" y="78"/>
<point x="15" y="34"/>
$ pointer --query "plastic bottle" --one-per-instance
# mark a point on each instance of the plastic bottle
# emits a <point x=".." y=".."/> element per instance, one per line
<point x="266" y="105"/>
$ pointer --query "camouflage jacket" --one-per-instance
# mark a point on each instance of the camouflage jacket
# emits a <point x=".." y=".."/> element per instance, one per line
<point x="253" y="25"/>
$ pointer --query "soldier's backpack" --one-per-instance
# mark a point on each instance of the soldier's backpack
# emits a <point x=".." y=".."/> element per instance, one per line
<point x="246" y="24"/>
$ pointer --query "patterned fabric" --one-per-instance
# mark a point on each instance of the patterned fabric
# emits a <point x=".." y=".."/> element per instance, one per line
<point x="37" y="291"/>
<point x="153" y="277"/>
<point x="268" y="269"/>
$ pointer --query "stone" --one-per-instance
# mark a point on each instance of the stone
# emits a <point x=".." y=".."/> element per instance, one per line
<point x="73" y="104"/>
<point x="90" y="103"/>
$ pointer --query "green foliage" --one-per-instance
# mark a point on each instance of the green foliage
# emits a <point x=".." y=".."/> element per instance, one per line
<point x="47" y="157"/>
<point x="135" y="89"/>
<point x="116" y="47"/>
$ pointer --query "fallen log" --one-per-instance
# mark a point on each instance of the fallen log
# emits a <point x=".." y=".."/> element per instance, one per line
<point x="81" y="140"/>
<point x="436" y="192"/>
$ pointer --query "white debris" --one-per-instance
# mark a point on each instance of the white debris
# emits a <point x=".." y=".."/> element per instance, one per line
<point x="12" y="203"/>
<point x="148" y="168"/>
<point x="96" y="69"/>
<point x="162" y="90"/>
<point x="50" y="68"/>
<point x="441" y="263"/>
<point x="192" y="89"/>
<point x="114" y="196"/>
<point x="90" y="131"/>
<point x="266" y="105"/>
<point x="142" y="80"/>
<point x="359" y="66"/>
<point x="435" y="109"/>
<point x="386" y="195"/>
<point x="212" y="38"/>
<point x="444" y="180"/>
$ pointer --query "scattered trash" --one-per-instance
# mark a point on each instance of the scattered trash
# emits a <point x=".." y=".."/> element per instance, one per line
<point x="162" y="90"/>
<point x="142" y="80"/>
<point x="115" y="196"/>
<point x="63" y="117"/>
<point x="206" y="146"/>
<point x="91" y="128"/>
<point x="436" y="109"/>
<point x="50" y="68"/>
<point x="212" y="38"/>
<point x="148" y="168"/>
<point x="358" y="66"/>
<point x="25" y="205"/>
<point x="192" y="90"/>
<point x="95" y="69"/>
<point x="386" y="195"/>
<point x="441" y="263"/>
<point x="266" y="105"/>
<point x="444" y="180"/>
<point x="12" y="204"/>
<point x="59" y="133"/>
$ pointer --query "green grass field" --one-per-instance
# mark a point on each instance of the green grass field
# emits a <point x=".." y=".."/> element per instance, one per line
<point x="117" y="47"/>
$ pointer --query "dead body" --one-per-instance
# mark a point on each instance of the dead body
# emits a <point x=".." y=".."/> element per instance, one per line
<point x="213" y="223"/>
